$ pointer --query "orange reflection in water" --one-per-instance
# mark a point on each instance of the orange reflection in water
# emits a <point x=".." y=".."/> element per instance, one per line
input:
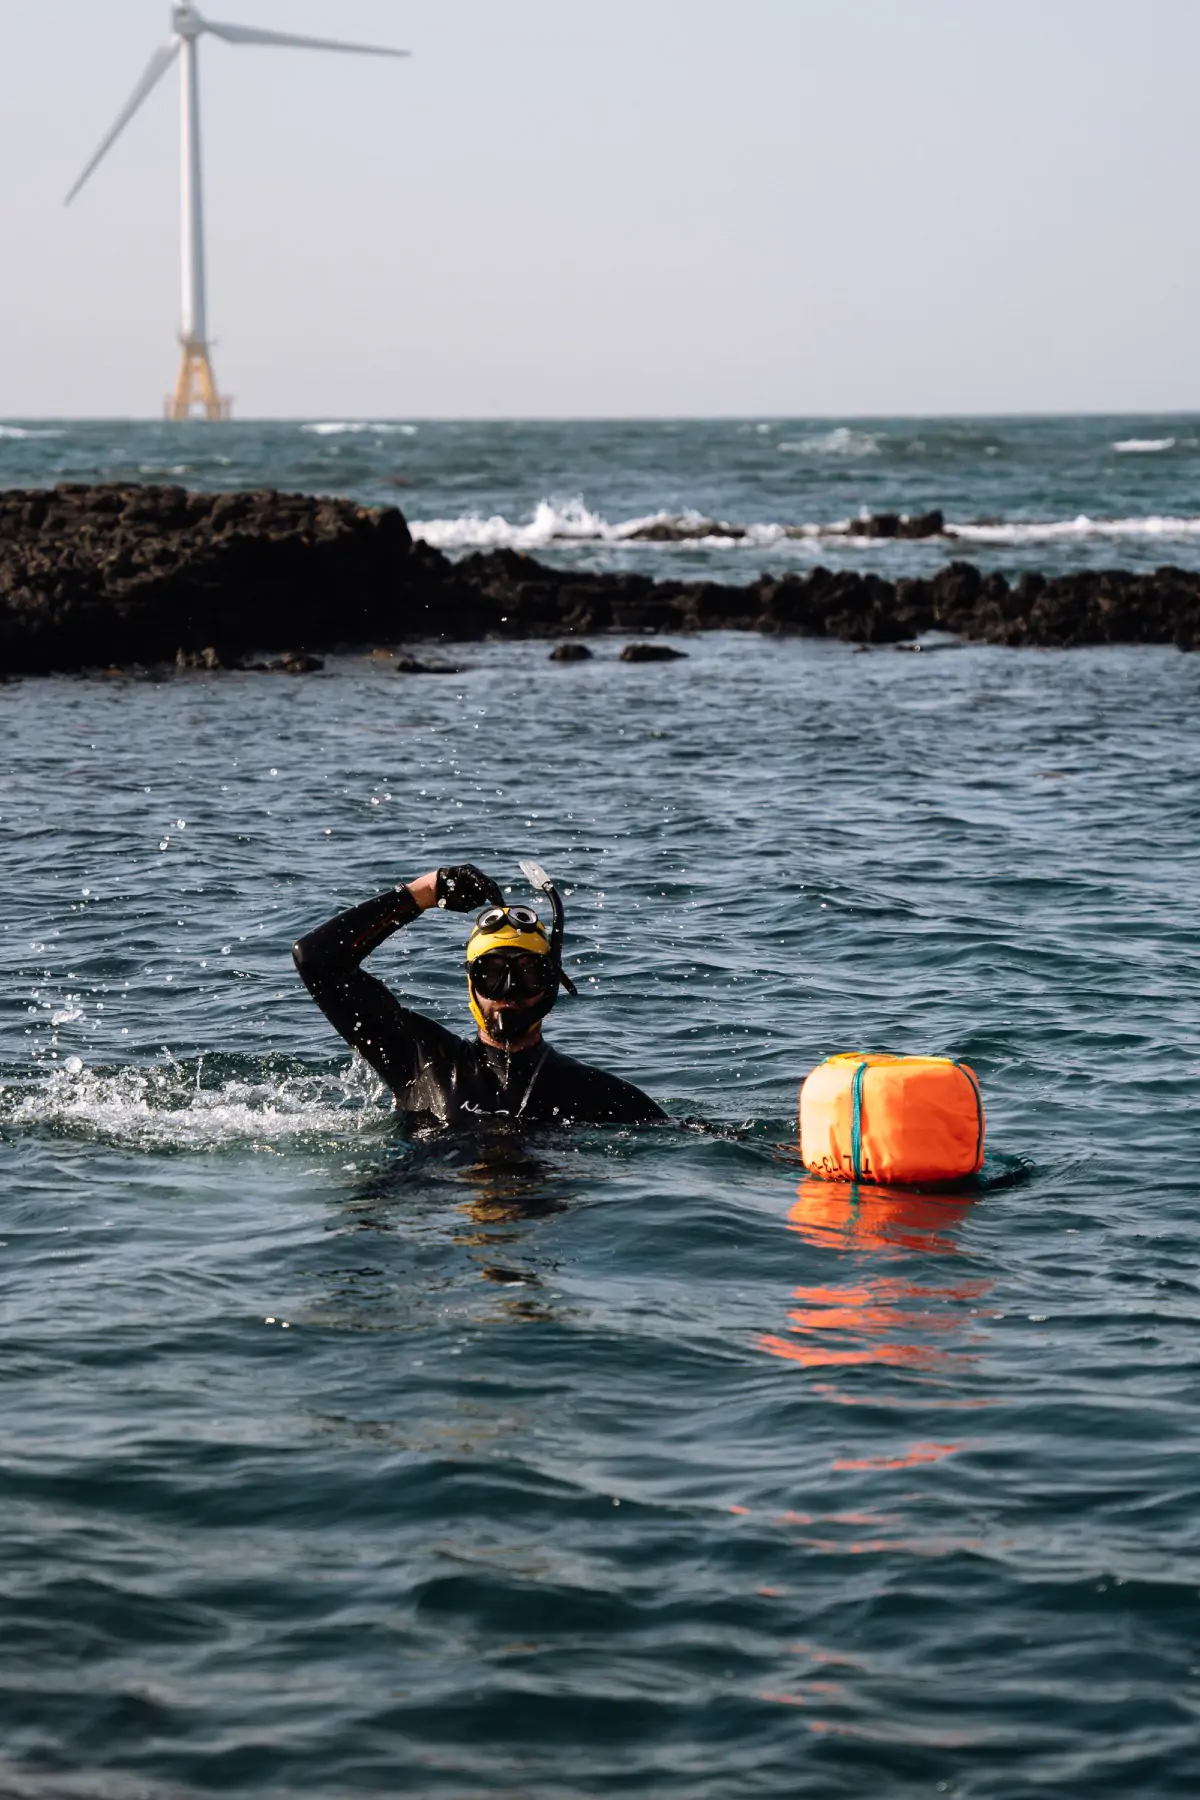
<point x="880" y="1319"/>
<point x="840" y="1397"/>
<point x="911" y="1459"/>
<point x="850" y="1216"/>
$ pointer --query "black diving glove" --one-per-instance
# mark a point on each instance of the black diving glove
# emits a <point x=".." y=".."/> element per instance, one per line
<point x="464" y="888"/>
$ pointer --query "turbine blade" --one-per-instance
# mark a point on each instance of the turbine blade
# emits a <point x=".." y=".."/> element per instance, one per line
<point x="156" y="68"/>
<point x="250" y="34"/>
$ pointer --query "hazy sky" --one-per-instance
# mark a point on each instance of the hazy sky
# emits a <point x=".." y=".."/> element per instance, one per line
<point x="638" y="207"/>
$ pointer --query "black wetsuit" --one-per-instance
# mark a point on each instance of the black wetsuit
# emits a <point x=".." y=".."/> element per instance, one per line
<point x="438" y="1078"/>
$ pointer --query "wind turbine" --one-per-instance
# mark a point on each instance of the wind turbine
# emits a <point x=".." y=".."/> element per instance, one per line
<point x="196" y="385"/>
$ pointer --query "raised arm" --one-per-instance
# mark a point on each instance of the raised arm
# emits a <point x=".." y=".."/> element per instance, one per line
<point x="393" y="1039"/>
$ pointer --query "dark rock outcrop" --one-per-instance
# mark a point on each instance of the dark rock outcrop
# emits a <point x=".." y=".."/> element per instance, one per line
<point x="412" y="665"/>
<point x="296" y="662"/>
<point x="120" y="575"/>
<point x="569" y="653"/>
<point x="110" y="574"/>
<point x="208" y="658"/>
<point x="642" y="653"/>
<point x="683" y="531"/>
<point x="899" y="525"/>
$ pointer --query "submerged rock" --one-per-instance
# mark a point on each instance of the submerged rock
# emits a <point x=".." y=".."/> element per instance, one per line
<point x="571" y="653"/>
<point x="412" y="665"/>
<point x="641" y="653"/>
<point x="297" y="663"/>
<point x="914" y="525"/>
<point x="897" y="525"/>
<point x="208" y="658"/>
<point x="682" y="531"/>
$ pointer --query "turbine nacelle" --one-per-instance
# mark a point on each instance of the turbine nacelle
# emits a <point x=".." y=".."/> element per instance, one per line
<point x="186" y="20"/>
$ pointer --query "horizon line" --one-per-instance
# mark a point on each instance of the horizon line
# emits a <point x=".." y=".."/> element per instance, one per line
<point x="664" y="418"/>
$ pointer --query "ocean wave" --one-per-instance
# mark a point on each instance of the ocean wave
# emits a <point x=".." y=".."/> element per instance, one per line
<point x="353" y="427"/>
<point x="562" y="523"/>
<point x="560" y="526"/>
<point x="553" y="522"/>
<point x="28" y="431"/>
<point x="840" y="441"/>
<point x="1143" y="446"/>
<point x="1052" y="530"/>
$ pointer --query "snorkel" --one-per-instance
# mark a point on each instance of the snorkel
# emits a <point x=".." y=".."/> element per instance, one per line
<point x="537" y="878"/>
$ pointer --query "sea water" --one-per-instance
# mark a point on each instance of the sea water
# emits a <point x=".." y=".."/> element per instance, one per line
<point x="723" y="499"/>
<point x="338" y="1463"/>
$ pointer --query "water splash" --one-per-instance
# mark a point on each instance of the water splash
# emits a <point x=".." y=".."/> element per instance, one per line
<point x="195" y="1105"/>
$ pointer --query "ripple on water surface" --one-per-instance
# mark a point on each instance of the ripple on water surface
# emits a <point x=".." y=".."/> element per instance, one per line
<point x="605" y="1462"/>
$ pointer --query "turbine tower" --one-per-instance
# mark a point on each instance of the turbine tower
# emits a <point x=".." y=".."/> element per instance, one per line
<point x="196" y="386"/>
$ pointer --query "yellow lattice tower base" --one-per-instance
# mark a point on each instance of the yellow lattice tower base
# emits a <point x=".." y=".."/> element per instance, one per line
<point x="196" y="388"/>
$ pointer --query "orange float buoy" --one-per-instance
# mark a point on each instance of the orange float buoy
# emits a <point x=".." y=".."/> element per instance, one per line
<point x="904" y="1119"/>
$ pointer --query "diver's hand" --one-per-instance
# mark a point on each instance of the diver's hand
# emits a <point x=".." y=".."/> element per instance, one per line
<point x="464" y="888"/>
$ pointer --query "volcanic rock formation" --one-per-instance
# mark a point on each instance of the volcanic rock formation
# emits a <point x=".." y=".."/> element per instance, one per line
<point x="104" y="575"/>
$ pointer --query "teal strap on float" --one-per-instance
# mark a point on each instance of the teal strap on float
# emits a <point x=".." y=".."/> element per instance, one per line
<point x="978" y="1110"/>
<point x="856" y="1105"/>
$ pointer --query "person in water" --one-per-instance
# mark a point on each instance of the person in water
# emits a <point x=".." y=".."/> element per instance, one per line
<point x="514" y="971"/>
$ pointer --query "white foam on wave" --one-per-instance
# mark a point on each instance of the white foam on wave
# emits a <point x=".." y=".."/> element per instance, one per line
<point x="553" y="522"/>
<point x="167" y="1106"/>
<point x="26" y="431"/>
<point x="354" y="427"/>
<point x="1052" y="530"/>
<point x="841" y="441"/>
<point x="1143" y="446"/>
<point x="561" y="523"/>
